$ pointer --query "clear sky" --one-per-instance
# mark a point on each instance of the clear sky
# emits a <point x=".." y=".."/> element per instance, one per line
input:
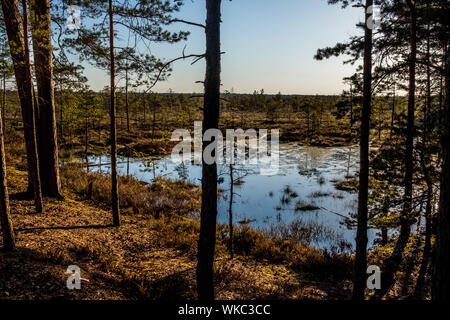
<point x="269" y="45"/>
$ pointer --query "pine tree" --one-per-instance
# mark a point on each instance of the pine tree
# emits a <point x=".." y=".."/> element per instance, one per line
<point x="112" y="114"/>
<point x="17" y="31"/>
<point x="5" y="219"/>
<point x="45" y="115"/>
<point x="208" y="214"/>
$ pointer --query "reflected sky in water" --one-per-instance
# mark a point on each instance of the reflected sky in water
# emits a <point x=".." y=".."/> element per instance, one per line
<point x="306" y="177"/>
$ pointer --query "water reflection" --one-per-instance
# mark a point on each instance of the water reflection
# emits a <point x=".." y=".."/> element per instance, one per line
<point x="302" y="190"/>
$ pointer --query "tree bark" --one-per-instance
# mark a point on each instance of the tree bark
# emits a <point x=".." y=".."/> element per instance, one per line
<point x="112" y="114"/>
<point x="86" y="136"/>
<point x="441" y="277"/>
<point x="392" y="264"/>
<point x="20" y="54"/>
<point x="4" y="103"/>
<point x="208" y="215"/>
<point x="359" y="283"/>
<point x="61" y="113"/>
<point x="351" y="109"/>
<point x="392" y="114"/>
<point x="127" y="106"/>
<point x="46" y="129"/>
<point x="418" y="291"/>
<point x="5" y="220"/>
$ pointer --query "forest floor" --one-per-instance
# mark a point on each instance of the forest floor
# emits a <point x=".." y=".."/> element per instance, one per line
<point x="141" y="259"/>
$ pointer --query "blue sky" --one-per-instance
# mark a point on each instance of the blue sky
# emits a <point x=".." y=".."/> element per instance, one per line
<point x="269" y="45"/>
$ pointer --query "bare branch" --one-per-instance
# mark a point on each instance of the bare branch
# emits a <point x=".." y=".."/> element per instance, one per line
<point x="170" y="62"/>
<point x="188" y="22"/>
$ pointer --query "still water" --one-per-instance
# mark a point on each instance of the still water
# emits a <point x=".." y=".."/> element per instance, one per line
<point x="305" y="180"/>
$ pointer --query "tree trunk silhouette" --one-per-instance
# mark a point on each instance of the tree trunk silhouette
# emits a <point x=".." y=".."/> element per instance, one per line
<point x="441" y="276"/>
<point x="46" y="131"/>
<point x="112" y="114"/>
<point x="127" y="105"/>
<point x="359" y="283"/>
<point x="392" y="114"/>
<point x="351" y="109"/>
<point x="61" y="113"/>
<point x="418" y="291"/>
<point x="4" y="104"/>
<point x="230" y="212"/>
<point x="392" y="264"/>
<point x="86" y="136"/>
<point x="208" y="215"/>
<point x="5" y="220"/>
<point x="154" y="122"/>
<point x="20" y="54"/>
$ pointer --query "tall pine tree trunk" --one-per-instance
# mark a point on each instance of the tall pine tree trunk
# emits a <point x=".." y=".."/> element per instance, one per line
<point x="46" y="128"/>
<point x="61" y="113"/>
<point x="4" y="104"/>
<point x="20" y="54"/>
<point x="392" y="264"/>
<point x="154" y="122"/>
<point x="230" y="213"/>
<point x="208" y="215"/>
<point x="351" y="110"/>
<point x="441" y="276"/>
<point x="127" y="105"/>
<point x="418" y="291"/>
<point x="112" y="114"/>
<point x="5" y="220"/>
<point x="359" y="283"/>
<point x="392" y="113"/>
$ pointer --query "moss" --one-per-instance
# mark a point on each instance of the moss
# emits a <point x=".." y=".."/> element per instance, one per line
<point x="347" y="185"/>
<point x="298" y="256"/>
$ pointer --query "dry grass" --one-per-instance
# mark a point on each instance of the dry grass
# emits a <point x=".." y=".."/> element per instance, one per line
<point x="147" y="257"/>
<point x="297" y="255"/>
<point x="162" y="197"/>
